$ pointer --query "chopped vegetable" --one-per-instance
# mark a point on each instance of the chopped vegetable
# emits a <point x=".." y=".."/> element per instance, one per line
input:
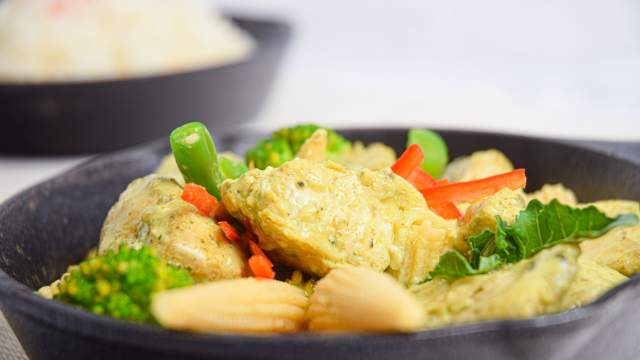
<point x="434" y="148"/>
<point x="468" y="191"/>
<point x="199" y="197"/>
<point x="255" y="249"/>
<point x="285" y="143"/>
<point x="297" y="135"/>
<point x="409" y="164"/>
<point x="269" y="152"/>
<point x="229" y="231"/>
<point x="537" y="227"/>
<point x="261" y="267"/>
<point x="196" y="156"/>
<point x="259" y="263"/>
<point x="445" y="209"/>
<point x="231" y="166"/>
<point x="121" y="284"/>
<point x="420" y="179"/>
<point x="408" y="161"/>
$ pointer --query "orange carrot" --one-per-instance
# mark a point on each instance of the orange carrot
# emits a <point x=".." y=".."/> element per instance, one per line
<point x="255" y="249"/>
<point x="198" y="196"/>
<point x="259" y="263"/>
<point x="229" y="231"/>
<point x="261" y="267"/>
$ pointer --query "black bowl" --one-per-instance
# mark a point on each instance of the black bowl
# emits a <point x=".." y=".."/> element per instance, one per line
<point x="104" y="115"/>
<point x="54" y="224"/>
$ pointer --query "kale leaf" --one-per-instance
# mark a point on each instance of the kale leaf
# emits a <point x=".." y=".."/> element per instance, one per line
<point x="537" y="227"/>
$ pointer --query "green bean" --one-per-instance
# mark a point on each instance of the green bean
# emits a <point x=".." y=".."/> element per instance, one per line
<point x="196" y="156"/>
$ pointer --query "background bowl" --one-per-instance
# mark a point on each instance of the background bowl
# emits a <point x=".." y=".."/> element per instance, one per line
<point x="54" y="224"/>
<point x="104" y="115"/>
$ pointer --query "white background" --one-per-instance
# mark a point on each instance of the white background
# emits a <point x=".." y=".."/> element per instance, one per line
<point x="552" y="68"/>
<point x="559" y="68"/>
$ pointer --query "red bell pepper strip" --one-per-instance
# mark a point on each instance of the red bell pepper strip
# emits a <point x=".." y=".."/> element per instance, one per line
<point x="420" y="179"/>
<point x="198" y="196"/>
<point x="445" y="209"/>
<point x="408" y="161"/>
<point x="441" y="182"/>
<point x="469" y="191"/>
<point x="229" y="231"/>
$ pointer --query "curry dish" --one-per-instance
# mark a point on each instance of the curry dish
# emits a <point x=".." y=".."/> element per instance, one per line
<point x="312" y="232"/>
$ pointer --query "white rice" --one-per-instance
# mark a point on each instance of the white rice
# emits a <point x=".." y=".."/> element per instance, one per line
<point x="60" y="40"/>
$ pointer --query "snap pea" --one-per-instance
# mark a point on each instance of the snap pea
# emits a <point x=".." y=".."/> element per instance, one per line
<point x="231" y="166"/>
<point x="436" y="155"/>
<point x="196" y="156"/>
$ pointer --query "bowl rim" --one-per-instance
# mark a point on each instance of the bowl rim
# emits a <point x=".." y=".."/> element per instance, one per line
<point x="24" y="300"/>
<point x="280" y="31"/>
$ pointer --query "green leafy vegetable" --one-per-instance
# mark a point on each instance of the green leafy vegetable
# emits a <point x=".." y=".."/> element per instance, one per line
<point x="436" y="155"/>
<point x="537" y="227"/>
<point x="285" y="143"/>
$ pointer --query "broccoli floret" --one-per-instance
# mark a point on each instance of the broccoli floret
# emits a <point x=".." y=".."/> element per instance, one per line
<point x="269" y="152"/>
<point x="297" y="135"/>
<point x="121" y="284"/>
<point x="286" y="142"/>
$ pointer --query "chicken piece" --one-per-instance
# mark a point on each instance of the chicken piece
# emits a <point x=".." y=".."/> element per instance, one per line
<point x="150" y="212"/>
<point x="422" y="254"/>
<point x="591" y="281"/>
<point x="315" y="147"/>
<point x="374" y="156"/>
<point x="613" y="208"/>
<point x="525" y="289"/>
<point x="169" y="168"/>
<point x="478" y="165"/>
<point x="549" y="192"/>
<point x="619" y="248"/>
<point x="316" y="216"/>
<point x="481" y="215"/>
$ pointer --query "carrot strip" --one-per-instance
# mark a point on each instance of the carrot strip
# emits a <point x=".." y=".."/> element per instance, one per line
<point x="255" y="249"/>
<point x="261" y="267"/>
<point x="468" y="191"/>
<point x="229" y="231"/>
<point x="198" y="196"/>
<point x="409" y="160"/>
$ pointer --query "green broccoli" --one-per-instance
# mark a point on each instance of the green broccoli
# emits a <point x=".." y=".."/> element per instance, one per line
<point x="286" y="142"/>
<point x="269" y="152"/>
<point x="121" y="284"/>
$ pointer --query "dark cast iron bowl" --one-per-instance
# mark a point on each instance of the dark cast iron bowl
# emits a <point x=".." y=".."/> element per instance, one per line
<point x="105" y="115"/>
<point x="52" y="225"/>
